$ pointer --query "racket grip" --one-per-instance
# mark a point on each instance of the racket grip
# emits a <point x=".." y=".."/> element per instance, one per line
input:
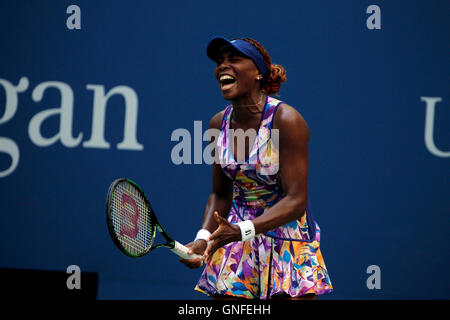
<point x="182" y="251"/>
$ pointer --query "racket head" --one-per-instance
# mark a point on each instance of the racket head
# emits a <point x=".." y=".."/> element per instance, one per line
<point x="130" y="219"/>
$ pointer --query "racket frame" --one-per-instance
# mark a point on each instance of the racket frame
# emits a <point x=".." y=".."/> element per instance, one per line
<point x="170" y="244"/>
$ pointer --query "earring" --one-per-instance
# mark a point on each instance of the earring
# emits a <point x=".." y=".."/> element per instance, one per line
<point x="258" y="78"/>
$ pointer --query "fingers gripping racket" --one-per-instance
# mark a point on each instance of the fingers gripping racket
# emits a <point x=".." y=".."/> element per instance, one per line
<point x="132" y="223"/>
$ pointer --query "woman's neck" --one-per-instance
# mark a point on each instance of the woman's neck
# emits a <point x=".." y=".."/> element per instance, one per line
<point x="245" y="108"/>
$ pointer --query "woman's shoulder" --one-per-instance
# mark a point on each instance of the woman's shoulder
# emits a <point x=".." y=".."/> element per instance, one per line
<point x="289" y="118"/>
<point x="216" y="120"/>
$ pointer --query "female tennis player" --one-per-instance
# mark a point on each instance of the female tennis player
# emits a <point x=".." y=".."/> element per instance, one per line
<point x="258" y="236"/>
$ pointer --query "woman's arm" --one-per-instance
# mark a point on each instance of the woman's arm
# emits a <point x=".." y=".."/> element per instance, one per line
<point x="293" y="145"/>
<point x="222" y="186"/>
<point x="219" y="200"/>
<point x="294" y="136"/>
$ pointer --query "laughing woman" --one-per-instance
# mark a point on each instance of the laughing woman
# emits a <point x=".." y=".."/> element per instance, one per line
<point x="258" y="237"/>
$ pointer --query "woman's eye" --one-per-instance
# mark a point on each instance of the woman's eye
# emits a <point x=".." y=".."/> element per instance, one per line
<point x="230" y="59"/>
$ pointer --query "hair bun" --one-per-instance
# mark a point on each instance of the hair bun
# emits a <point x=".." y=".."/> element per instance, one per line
<point x="276" y="77"/>
<point x="277" y="73"/>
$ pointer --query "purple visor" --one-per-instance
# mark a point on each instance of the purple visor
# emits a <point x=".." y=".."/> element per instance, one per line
<point x="216" y="45"/>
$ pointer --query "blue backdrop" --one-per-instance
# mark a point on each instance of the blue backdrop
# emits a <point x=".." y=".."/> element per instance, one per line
<point x="378" y="188"/>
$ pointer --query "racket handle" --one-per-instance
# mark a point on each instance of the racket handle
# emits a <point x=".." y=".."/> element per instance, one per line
<point x="182" y="251"/>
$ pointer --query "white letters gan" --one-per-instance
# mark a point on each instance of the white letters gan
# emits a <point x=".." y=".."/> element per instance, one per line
<point x="98" y="121"/>
<point x="65" y="112"/>
<point x="7" y="145"/>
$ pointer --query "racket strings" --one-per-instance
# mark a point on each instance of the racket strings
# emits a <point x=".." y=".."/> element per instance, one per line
<point x="131" y="219"/>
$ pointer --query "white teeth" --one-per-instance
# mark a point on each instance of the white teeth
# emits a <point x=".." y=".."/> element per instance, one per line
<point x="226" y="77"/>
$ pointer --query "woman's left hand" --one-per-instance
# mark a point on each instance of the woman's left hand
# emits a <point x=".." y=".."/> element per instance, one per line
<point x="224" y="234"/>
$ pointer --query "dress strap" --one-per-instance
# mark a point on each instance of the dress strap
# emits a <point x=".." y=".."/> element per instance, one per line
<point x="271" y="109"/>
<point x="226" y="117"/>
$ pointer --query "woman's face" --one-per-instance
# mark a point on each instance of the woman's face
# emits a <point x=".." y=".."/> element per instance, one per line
<point x="236" y="74"/>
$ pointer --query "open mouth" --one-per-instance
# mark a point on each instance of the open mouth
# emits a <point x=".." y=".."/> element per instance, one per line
<point x="226" y="81"/>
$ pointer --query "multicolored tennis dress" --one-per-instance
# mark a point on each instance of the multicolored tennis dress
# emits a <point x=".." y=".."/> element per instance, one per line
<point x="286" y="260"/>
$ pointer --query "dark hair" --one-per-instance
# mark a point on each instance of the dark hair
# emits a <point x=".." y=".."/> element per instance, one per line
<point x="277" y="73"/>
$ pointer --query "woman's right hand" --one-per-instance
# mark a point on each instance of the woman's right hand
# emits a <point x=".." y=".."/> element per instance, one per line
<point x="197" y="247"/>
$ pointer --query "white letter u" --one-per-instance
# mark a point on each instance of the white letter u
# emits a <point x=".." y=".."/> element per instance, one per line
<point x="429" y="126"/>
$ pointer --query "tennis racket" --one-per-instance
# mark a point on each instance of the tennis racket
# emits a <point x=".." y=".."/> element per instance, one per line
<point x="132" y="223"/>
